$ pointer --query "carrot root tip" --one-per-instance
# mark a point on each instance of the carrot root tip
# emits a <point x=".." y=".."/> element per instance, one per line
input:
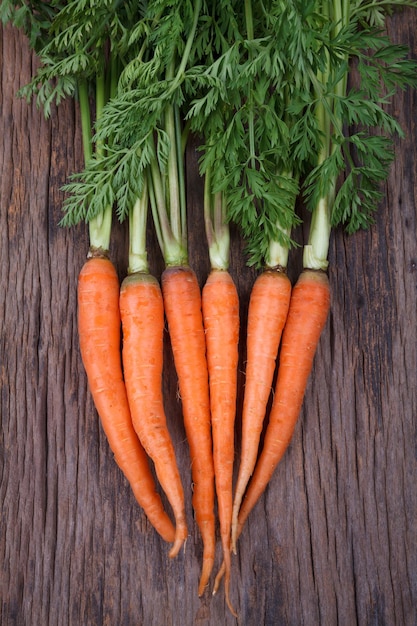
<point x="231" y="609"/>
<point x="218" y="579"/>
<point x="177" y="547"/>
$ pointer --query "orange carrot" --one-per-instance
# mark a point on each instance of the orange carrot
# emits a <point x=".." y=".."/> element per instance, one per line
<point x="221" y="322"/>
<point x="142" y="314"/>
<point x="182" y="302"/>
<point x="268" y="308"/>
<point x="307" y="315"/>
<point x="99" y="333"/>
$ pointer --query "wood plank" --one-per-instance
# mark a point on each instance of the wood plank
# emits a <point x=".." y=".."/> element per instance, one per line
<point x="333" y="540"/>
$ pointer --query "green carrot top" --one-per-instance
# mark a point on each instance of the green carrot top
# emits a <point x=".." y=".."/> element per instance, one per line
<point x="360" y="73"/>
<point x="288" y="98"/>
<point x="278" y="114"/>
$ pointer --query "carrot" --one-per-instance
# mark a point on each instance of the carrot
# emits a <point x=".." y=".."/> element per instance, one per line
<point x="221" y="322"/>
<point x="267" y="313"/>
<point x="307" y="315"/>
<point x="182" y="302"/>
<point x="99" y="333"/>
<point x="142" y="314"/>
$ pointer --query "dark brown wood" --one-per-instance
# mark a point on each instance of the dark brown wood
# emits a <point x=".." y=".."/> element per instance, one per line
<point x="332" y="541"/>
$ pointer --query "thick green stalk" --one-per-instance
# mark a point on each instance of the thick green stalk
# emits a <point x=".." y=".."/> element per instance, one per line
<point x="100" y="99"/>
<point x="277" y="253"/>
<point x="174" y="252"/>
<point x="249" y="19"/>
<point x="180" y="144"/>
<point x="154" y="209"/>
<point x="168" y="201"/>
<point x="217" y="228"/>
<point x="138" y="259"/>
<point x="85" y="119"/>
<point x="174" y="173"/>
<point x="100" y="225"/>
<point x="316" y="251"/>
<point x="176" y="176"/>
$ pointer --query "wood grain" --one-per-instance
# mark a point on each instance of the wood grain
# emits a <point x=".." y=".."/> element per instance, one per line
<point x="333" y="540"/>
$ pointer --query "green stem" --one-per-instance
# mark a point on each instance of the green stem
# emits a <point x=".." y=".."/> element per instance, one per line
<point x="159" y="202"/>
<point x="173" y="251"/>
<point x="174" y="168"/>
<point x="100" y="225"/>
<point x="316" y="251"/>
<point x="168" y="202"/>
<point x="180" y="144"/>
<point x="251" y="122"/>
<point x="217" y="228"/>
<point x="249" y="19"/>
<point x="138" y="260"/>
<point x="85" y="119"/>
<point x="176" y="176"/>
<point x="154" y="209"/>
<point x="277" y="253"/>
<point x="188" y="46"/>
<point x="100" y="102"/>
<point x="342" y="11"/>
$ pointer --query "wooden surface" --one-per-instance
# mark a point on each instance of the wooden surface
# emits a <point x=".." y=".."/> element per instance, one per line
<point x="333" y="540"/>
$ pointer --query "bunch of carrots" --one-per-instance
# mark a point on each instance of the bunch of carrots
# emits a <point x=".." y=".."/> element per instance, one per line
<point x="265" y="87"/>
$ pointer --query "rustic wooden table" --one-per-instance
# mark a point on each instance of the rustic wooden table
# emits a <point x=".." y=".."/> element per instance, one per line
<point x="333" y="540"/>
